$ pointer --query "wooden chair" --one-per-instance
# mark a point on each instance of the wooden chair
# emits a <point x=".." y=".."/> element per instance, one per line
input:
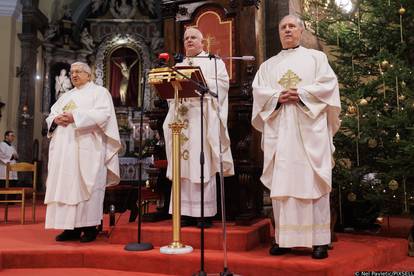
<point x="20" y="191"/>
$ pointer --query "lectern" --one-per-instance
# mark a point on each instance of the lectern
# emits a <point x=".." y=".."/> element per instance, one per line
<point x="171" y="84"/>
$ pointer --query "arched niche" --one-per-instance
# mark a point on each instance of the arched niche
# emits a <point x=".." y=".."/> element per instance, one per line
<point x="111" y="45"/>
<point x="123" y="76"/>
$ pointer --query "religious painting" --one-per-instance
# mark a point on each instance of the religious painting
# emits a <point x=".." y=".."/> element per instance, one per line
<point x="218" y="35"/>
<point x="123" y="76"/>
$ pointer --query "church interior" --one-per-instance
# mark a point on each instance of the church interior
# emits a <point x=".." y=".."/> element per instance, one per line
<point x="372" y="197"/>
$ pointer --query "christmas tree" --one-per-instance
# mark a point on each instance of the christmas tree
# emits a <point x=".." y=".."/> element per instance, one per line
<point x="370" y="44"/>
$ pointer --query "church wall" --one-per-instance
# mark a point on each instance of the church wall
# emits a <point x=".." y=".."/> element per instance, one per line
<point x="9" y="83"/>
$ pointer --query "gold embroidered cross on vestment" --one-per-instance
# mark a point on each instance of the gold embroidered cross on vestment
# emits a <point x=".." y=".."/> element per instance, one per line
<point x="70" y="106"/>
<point x="289" y="80"/>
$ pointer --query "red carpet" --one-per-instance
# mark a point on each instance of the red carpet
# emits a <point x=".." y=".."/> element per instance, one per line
<point x="72" y="271"/>
<point x="239" y="238"/>
<point x="29" y="249"/>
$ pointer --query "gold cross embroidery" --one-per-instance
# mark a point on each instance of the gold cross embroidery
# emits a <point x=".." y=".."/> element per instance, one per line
<point x="70" y="106"/>
<point x="210" y="41"/>
<point x="183" y="139"/>
<point x="183" y="110"/>
<point x="289" y="80"/>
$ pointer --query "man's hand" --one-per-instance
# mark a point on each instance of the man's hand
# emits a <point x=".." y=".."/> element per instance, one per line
<point x="60" y="120"/>
<point x="64" y="119"/>
<point x="69" y="117"/>
<point x="14" y="157"/>
<point x="289" y="96"/>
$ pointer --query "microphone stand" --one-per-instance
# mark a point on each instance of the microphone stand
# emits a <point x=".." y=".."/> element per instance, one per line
<point x="139" y="246"/>
<point x="226" y="271"/>
<point x="180" y="57"/>
<point x="202" y="272"/>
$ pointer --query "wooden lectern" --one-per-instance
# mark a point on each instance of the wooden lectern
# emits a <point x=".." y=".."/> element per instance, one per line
<point x="173" y="85"/>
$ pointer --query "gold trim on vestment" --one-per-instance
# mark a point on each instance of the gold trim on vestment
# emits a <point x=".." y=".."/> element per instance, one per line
<point x="185" y="155"/>
<point x="183" y="139"/>
<point x="307" y="227"/>
<point x="183" y="112"/>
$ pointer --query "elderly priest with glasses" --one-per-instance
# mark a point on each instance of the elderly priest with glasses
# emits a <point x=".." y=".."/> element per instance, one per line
<point x="83" y="157"/>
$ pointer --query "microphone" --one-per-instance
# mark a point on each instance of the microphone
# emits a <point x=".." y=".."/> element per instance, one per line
<point x="163" y="59"/>
<point x="164" y="56"/>
<point x="248" y="58"/>
<point x="178" y="57"/>
<point x="244" y="58"/>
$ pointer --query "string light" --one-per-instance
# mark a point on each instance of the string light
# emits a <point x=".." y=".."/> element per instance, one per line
<point x="344" y="5"/>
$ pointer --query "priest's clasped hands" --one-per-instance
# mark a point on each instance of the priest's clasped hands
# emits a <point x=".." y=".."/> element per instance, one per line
<point x="289" y="96"/>
<point x="64" y="119"/>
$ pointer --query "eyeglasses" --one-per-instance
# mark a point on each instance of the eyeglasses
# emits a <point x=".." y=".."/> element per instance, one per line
<point x="77" y="72"/>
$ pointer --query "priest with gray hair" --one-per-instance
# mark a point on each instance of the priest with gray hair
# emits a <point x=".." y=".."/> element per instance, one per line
<point x="215" y="132"/>
<point x="83" y="157"/>
<point x="296" y="107"/>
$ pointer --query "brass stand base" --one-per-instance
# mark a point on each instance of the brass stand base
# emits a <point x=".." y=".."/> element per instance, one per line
<point x="173" y="249"/>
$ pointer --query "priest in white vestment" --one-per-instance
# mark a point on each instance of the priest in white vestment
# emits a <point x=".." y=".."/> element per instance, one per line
<point x="215" y="129"/>
<point x="83" y="157"/>
<point x="296" y="107"/>
<point x="8" y="154"/>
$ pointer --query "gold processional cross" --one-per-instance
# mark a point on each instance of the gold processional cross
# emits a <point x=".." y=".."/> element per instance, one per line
<point x="289" y="80"/>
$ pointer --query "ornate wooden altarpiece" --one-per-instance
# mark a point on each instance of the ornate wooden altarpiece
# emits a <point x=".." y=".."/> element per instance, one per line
<point x="228" y="28"/>
<point x="110" y="36"/>
<point x="93" y="32"/>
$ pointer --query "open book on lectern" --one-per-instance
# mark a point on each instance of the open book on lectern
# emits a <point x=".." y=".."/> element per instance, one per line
<point x="166" y="79"/>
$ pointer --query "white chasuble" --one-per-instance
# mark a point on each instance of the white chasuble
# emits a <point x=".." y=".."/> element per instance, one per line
<point x="6" y="153"/>
<point x="297" y="139"/>
<point x="83" y="158"/>
<point x="215" y="128"/>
